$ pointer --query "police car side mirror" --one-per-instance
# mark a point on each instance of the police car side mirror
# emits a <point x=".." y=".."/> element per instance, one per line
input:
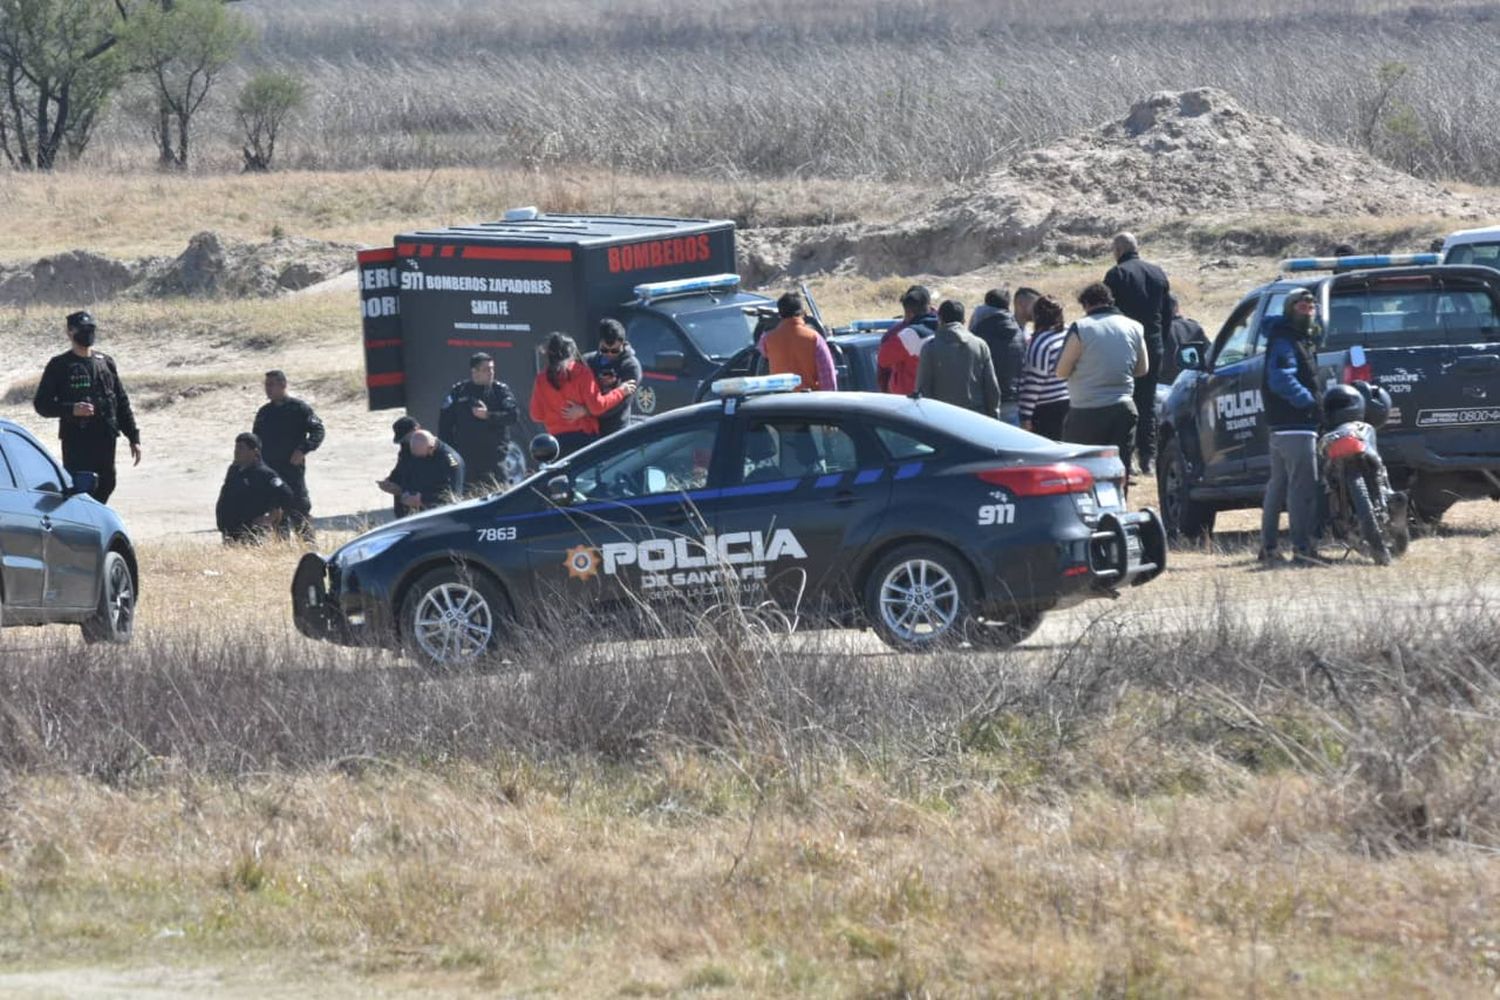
<point x="670" y="361"/>
<point x="560" y="490"/>
<point x="545" y="449"/>
<point x="1190" y="358"/>
<point x="83" y="482"/>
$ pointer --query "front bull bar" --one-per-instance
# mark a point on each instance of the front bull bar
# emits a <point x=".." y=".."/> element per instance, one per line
<point x="1127" y="550"/>
<point x="313" y="612"/>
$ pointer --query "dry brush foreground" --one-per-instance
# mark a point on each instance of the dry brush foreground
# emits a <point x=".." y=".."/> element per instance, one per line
<point x="1206" y="795"/>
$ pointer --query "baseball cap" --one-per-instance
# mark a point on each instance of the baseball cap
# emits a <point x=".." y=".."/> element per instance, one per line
<point x="402" y="427"/>
<point x="80" y="320"/>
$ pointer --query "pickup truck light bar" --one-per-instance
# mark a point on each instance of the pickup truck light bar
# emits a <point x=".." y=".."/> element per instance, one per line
<point x="1293" y="264"/>
<point x="654" y="290"/>
<point x="870" y="325"/>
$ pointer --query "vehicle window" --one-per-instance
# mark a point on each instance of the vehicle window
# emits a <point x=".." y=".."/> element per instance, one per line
<point x="32" y="468"/>
<point x="1486" y="254"/>
<point x="901" y="445"/>
<point x="7" y="481"/>
<point x="650" y="336"/>
<point x="675" y="463"/>
<point x="719" y="333"/>
<point x="1399" y="315"/>
<point x="1236" y="341"/>
<point x="791" y="449"/>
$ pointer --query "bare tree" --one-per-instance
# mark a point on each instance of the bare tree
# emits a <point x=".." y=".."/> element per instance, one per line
<point x="265" y="104"/>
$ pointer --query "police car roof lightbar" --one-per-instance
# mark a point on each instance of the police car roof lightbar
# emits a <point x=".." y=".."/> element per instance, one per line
<point x="865" y="325"/>
<point x="686" y="286"/>
<point x="755" y="385"/>
<point x="1362" y="260"/>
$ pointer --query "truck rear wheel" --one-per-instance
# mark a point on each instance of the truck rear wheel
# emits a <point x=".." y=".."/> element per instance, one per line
<point x="1186" y="519"/>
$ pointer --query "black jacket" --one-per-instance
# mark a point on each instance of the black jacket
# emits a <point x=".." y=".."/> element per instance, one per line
<point x="1141" y="292"/>
<point x="1184" y="331"/>
<point x="610" y="371"/>
<point x="439" y="477"/>
<point x="1007" y="351"/>
<point x="246" y="495"/>
<point x="1289" y="379"/>
<point x="285" y="427"/>
<point x="70" y="379"/>
<point x="482" y="443"/>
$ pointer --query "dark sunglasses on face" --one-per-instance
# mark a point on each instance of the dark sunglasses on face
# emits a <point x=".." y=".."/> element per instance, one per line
<point x="605" y="349"/>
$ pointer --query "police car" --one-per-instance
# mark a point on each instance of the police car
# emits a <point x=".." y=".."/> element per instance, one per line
<point x="929" y="523"/>
<point x="1429" y="333"/>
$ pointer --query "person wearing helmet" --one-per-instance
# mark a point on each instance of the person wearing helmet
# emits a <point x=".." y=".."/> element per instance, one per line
<point x="1290" y="392"/>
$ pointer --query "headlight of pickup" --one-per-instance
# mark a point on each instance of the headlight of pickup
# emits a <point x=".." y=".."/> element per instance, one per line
<point x="366" y="549"/>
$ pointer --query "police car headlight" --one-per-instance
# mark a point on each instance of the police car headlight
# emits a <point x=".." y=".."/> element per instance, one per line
<point x="367" y="549"/>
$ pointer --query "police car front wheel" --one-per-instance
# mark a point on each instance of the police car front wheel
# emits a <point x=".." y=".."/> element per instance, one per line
<point x="453" y="616"/>
<point x="918" y="597"/>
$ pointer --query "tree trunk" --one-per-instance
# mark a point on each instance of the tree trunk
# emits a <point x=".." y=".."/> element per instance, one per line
<point x="165" y="156"/>
<point x="182" y="141"/>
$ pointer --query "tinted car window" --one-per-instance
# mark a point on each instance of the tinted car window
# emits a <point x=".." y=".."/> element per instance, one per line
<point x="719" y="332"/>
<point x="1397" y="315"/>
<point x="671" y="464"/>
<point x="1487" y="254"/>
<point x="1236" y="340"/>
<point x="33" y="469"/>
<point x="650" y="336"/>
<point x="791" y="449"/>
<point x="979" y="430"/>
<point x="902" y="445"/>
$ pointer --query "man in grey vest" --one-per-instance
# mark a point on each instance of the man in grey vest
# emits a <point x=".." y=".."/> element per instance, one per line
<point x="1105" y="352"/>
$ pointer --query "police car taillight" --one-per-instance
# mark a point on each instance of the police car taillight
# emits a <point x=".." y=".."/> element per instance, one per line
<point x="1358" y="367"/>
<point x="1041" y="480"/>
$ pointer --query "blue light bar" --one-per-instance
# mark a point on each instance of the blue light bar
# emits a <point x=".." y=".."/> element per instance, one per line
<point x="755" y="385"/>
<point x="865" y="325"/>
<point x="687" y="286"/>
<point x="1364" y="260"/>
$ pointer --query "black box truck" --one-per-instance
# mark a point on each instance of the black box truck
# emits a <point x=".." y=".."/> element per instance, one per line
<point x="437" y="296"/>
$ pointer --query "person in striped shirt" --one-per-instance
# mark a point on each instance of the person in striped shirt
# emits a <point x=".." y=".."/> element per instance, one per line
<point x="1044" y="396"/>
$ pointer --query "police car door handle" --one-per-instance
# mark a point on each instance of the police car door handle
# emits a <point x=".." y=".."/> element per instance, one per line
<point x="845" y="498"/>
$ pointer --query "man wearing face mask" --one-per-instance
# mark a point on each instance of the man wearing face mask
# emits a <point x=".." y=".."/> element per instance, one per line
<point x="81" y="388"/>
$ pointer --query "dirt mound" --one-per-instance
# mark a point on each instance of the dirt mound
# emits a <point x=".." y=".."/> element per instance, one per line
<point x="1194" y="153"/>
<point x="210" y="266"/>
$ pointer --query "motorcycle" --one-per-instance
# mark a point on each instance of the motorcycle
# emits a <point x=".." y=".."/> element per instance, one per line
<point x="1363" y="511"/>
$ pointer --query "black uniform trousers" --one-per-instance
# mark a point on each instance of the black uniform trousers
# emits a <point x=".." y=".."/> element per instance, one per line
<point x="1145" y="407"/>
<point x="92" y="453"/>
<point x="298" y="517"/>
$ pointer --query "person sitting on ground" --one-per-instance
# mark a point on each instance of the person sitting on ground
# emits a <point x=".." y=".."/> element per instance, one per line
<point x="1104" y="354"/>
<point x="955" y="366"/>
<point x="566" y="400"/>
<point x="901" y="345"/>
<point x="1002" y="334"/>
<point x="794" y="348"/>
<point x="254" y="498"/>
<point x="1044" y="396"/>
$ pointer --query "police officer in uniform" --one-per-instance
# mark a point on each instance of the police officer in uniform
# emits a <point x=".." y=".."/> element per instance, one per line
<point x="289" y="430"/>
<point x="434" y="473"/>
<point x="476" y="419"/>
<point x="253" y="498"/>
<point x="395" y="483"/>
<point x="81" y="388"/>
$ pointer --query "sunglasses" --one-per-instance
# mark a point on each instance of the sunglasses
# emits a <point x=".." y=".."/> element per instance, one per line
<point x="610" y="350"/>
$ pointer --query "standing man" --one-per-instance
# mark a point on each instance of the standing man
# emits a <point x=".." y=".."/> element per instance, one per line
<point x="1025" y="298"/>
<point x="289" y="431"/>
<point x="1141" y="292"/>
<point x="613" y="364"/>
<point x="955" y="366"/>
<point x="1002" y="335"/>
<point x="901" y="345"/>
<point x="476" y="419"/>
<point x="1183" y="333"/>
<point x="253" y="498"/>
<point x="81" y="388"/>
<point x="434" y="474"/>
<point x="794" y="348"/>
<point x="1289" y="386"/>
<point x="1102" y="358"/>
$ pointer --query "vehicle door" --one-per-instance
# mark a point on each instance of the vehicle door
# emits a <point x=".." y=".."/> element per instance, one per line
<point x="804" y="496"/>
<point x="669" y="364"/>
<point x="72" y="536"/>
<point x="23" y="545"/>
<point x="635" y="521"/>
<point x="1229" y="398"/>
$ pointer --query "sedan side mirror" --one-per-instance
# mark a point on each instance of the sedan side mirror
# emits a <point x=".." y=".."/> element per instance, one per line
<point x="1190" y="358"/>
<point x="560" y="490"/>
<point x="670" y="361"/>
<point x="83" y="482"/>
<point x="545" y="449"/>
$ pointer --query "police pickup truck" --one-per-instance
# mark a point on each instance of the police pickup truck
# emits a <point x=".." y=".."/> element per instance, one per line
<point x="1427" y="332"/>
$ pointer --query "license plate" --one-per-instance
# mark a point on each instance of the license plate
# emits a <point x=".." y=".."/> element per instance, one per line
<point x="1107" y="495"/>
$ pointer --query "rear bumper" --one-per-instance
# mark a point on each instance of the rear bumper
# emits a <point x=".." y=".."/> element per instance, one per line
<point x="1120" y="550"/>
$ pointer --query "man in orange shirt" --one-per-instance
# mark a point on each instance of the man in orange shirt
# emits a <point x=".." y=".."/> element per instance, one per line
<point x="794" y="348"/>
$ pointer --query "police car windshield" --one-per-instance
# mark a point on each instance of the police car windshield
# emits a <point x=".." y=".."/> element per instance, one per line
<point x="719" y="333"/>
<point x="1411" y="315"/>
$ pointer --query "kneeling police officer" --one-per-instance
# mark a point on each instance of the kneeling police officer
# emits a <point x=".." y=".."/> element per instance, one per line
<point x="253" y="498"/>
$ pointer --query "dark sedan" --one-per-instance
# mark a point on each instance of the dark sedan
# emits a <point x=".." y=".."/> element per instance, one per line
<point x="64" y="557"/>
<point x="928" y="523"/>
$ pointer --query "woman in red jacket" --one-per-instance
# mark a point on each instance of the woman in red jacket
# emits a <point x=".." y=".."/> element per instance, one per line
<point x="565" y="398"/>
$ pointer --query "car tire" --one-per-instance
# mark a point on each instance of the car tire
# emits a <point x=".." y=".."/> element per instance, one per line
<point x="918" y="597"/>
<point x="453" y="616"/>
<point x="1000" y="633"/>
<point x="113" y="620"/>
<point x="1185" y="519"/>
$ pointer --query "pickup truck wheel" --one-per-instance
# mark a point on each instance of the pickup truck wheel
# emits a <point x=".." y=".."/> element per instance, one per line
<point x="1185" y="518"/>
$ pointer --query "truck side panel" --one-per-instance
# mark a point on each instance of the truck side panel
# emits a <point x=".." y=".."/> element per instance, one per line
<point x="380" y="307"/>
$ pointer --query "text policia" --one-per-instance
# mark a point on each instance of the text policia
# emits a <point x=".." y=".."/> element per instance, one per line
<point x="684" y="562"/>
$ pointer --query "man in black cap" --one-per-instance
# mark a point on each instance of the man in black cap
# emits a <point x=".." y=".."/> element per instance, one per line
<point x="395" y="483"/>
<point x="81" y="388"/>
<point x="253" y="498"/>
<point x="476" y="419"/>
<point x="289" y="430"/>
<point x="434" y="474"/>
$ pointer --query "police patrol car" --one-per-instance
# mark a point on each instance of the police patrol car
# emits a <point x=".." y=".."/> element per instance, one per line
<point x="929" y="523"/>
<point x="1427" y="332"/>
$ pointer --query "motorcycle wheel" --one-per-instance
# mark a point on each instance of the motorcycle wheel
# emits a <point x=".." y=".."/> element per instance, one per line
<point x="1369" y="524"/>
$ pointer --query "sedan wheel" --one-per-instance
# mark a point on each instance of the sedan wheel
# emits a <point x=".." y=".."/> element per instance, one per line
<point x="114" y="620"/>
<point x="917" y="598"/>
<point x="451" y="618"/>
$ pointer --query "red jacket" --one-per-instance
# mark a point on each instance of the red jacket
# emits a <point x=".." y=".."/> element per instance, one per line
<point x="578" y="386"/>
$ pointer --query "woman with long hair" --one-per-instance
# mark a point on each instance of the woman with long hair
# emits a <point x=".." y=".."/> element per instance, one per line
<point x="566" y="399"/>
<point x="1044" y="396"/>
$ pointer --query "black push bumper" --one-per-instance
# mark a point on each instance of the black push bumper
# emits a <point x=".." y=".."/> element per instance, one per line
<point x="1127" y="550"/>
<point x="314" y="609"/>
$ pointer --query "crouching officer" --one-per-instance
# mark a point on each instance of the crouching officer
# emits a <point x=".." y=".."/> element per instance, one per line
<point x="81" y="389"/>
<point x="476" y="419"/>
<point x="289" y="431"/>
<point x="433" y="474"/>
<point x="253" y="498"/>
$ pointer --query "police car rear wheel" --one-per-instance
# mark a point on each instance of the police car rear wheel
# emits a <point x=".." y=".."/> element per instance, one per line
<point x="918" y="598"/>
<point x="453" y="617"/>
<point x="1185" y="518"/>
<point x="114" y="620"/>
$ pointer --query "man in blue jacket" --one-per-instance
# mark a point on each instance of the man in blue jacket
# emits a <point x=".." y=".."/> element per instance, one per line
<point x="1290" y="392"/>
